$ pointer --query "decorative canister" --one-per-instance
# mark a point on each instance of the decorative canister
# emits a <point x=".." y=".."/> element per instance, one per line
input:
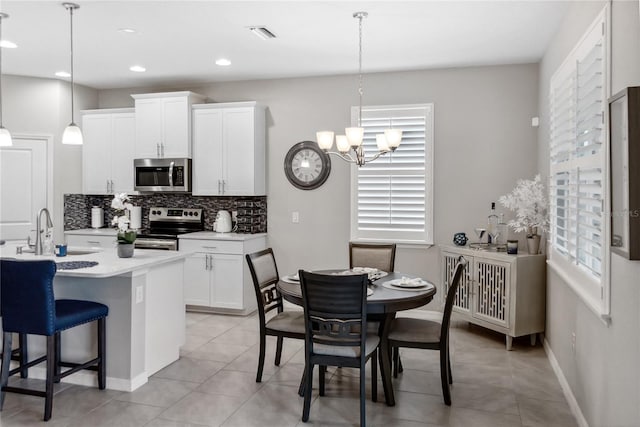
<point x="97" y="217"/>
<point x="460" y="239"/>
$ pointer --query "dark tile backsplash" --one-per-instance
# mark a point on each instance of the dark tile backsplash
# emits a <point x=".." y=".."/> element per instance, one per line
<point x="252" y="211"/>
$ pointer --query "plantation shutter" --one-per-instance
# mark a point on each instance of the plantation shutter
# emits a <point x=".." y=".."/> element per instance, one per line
<point x="392" y="199"/>
<point x="577" y="155"/>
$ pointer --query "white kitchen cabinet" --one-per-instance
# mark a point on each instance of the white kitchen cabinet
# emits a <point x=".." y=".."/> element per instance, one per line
<point x="217" y="278"/>
<point x="163" y="124"/>
<point x="501" y="292"/>
<point x="229" y="149"/>
<point x="108" y="151"/>
<point x="90" y="239"/>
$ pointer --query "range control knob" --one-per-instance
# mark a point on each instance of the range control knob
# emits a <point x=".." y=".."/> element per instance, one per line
<point x="195" y="214"/>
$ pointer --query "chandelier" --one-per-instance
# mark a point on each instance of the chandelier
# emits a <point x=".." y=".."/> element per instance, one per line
<point x="353" y="137"/>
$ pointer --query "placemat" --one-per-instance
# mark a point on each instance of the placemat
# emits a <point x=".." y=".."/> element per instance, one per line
<point x="74" y="265"/>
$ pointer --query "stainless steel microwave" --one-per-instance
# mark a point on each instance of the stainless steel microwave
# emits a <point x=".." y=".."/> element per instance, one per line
<point x="162" y="175"/>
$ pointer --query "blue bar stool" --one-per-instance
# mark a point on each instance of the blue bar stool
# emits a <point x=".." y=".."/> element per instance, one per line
<point x="28" y="307"/>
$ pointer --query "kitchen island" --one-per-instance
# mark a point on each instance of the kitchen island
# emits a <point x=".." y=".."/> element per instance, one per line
<point x="146" y="322"/>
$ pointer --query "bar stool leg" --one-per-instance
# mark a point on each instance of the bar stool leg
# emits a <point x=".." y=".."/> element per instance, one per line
<point x="51" y="368"/>
<point x="6" y="361"/>
<point x="102" y="365"/>
<point x="58" y="355"/>
<point x="24" y="355"/>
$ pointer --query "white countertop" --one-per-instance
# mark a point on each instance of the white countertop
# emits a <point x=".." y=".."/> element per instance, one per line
<point x="198" y="235"/>
<point x="108" y="262"/>
<point x="210" y="235"/>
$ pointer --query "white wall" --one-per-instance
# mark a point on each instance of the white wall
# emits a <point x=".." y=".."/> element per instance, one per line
<point x="42" y="107"/>
<point x="603" y="371"/>
<point x="483" y="143"/>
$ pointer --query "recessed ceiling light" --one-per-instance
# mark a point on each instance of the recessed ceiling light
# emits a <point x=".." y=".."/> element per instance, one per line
<point x="223" y="62"/>
<point x="8" y="44"/>
<point x="263" y="32"/>
<point x="63" y="74"/>
<point x="127" y="30"/>
<point x="137" y="69"/>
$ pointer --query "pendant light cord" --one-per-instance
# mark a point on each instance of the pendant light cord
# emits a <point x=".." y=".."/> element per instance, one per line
<point x="71" y="26"/>
<point x="360" y="15"/>
<point x="2" y="16"/>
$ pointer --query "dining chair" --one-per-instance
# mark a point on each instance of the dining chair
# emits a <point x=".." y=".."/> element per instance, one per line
<point x="335" y="314"/>
<point x="285" y="324"/>
<point x="430" y="334"/>
<point x="28" y="307"/>
<point x="380" y="256"/>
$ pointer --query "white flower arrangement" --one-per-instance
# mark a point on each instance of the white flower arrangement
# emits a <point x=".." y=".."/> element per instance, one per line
<point x="529" y="202"/>
<point x="121" y="203"/>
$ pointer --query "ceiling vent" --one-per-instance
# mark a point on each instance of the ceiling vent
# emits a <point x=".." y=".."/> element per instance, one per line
<point x="262" y="32"/>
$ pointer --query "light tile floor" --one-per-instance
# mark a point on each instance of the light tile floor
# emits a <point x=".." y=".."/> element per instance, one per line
<point x="213" y="384"/>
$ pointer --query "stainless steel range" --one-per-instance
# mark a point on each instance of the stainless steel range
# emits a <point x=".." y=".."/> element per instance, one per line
<point x="165" y="224"/>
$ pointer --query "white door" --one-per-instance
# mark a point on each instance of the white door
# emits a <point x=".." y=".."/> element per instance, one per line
<point x="239" y="140"/>
<point x="148" y="128"/>
<point x="197" y="279"/>
<point x="122" y="152"/>
<point x="96" y="153"/>
<point x="24" y="174"/>
<point x="227" y="281"/>
<point x="207" y="152"/>
<point x="175" y="127"/>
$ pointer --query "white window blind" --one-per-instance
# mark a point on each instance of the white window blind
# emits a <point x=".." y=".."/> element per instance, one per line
<point x="391" y="197"/>
<point x="578" y="100"/>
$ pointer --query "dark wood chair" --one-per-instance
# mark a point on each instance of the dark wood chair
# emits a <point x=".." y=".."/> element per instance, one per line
<point x="380" y="256"/>
<point x="335" y="313"/>
<point x="28" y="307"/>
<point x="285" y="324"/>
<point x="429" y="334"/>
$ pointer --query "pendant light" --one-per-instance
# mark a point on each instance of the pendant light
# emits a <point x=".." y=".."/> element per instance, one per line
<point x="72" y="134"/>
<point x="354" y="136"/>
<point x="5" y="135"/>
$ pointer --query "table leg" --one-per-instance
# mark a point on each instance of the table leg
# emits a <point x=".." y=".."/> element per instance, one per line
<point x="385" y="360"/>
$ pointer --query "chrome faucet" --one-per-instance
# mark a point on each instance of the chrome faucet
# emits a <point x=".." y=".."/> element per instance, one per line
<point x="39" y="246"/>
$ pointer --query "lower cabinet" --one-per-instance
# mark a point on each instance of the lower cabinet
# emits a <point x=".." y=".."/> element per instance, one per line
<point x="217" y="277"/>
<point x="91" y="240"/>
<point x="505" y="293"/>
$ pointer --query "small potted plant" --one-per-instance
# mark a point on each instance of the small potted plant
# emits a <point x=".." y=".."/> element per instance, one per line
<point x="528" y="200"/>
<point x="126" y="236"/>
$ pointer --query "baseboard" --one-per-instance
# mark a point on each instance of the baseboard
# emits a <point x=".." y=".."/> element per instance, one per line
<point x="566" y="389"/>
<point x="90" y="379"/>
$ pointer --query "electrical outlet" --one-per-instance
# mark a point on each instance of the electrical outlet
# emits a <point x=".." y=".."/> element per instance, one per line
<point x="139" y="294"/>
<point x="295" y="217"/>
<point x="573" y="342"/>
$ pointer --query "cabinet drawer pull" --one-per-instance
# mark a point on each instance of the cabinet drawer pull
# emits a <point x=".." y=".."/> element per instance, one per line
<point x="206" y="262"/>
<point x="94" y="242"/>
<point x="210" y="247"/>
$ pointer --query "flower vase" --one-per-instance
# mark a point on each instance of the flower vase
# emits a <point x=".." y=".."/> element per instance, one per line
<point x="533" y="243"/>
<point x="125" y="250"/>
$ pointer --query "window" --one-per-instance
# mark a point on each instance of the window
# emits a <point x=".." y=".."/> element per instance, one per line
<point x="577" y="150"/>
<point x="392" y="196"/>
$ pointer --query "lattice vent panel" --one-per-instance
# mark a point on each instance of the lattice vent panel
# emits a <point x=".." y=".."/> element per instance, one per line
<point x="463" y="295"/>
<point x="492" y="291"/>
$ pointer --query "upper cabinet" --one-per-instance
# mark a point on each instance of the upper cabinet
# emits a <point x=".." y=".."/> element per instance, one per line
<point x="163" y="124"/>
<point x="107" y="154"/>
<point x="229" y="149"/>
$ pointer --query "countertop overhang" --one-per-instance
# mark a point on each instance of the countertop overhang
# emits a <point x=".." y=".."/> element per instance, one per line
<point x="109" y="264"/>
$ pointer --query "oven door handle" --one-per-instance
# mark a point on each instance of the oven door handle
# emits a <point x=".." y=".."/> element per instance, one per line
<point x="171" y="173"/>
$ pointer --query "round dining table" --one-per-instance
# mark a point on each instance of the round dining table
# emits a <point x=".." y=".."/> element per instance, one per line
<point x="383" y="305"/>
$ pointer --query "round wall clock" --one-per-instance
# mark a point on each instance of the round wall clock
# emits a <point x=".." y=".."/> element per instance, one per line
<point x="306" y="165"/>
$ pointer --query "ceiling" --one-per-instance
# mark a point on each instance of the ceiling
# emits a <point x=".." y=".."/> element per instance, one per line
<point x="179" y="41"/>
